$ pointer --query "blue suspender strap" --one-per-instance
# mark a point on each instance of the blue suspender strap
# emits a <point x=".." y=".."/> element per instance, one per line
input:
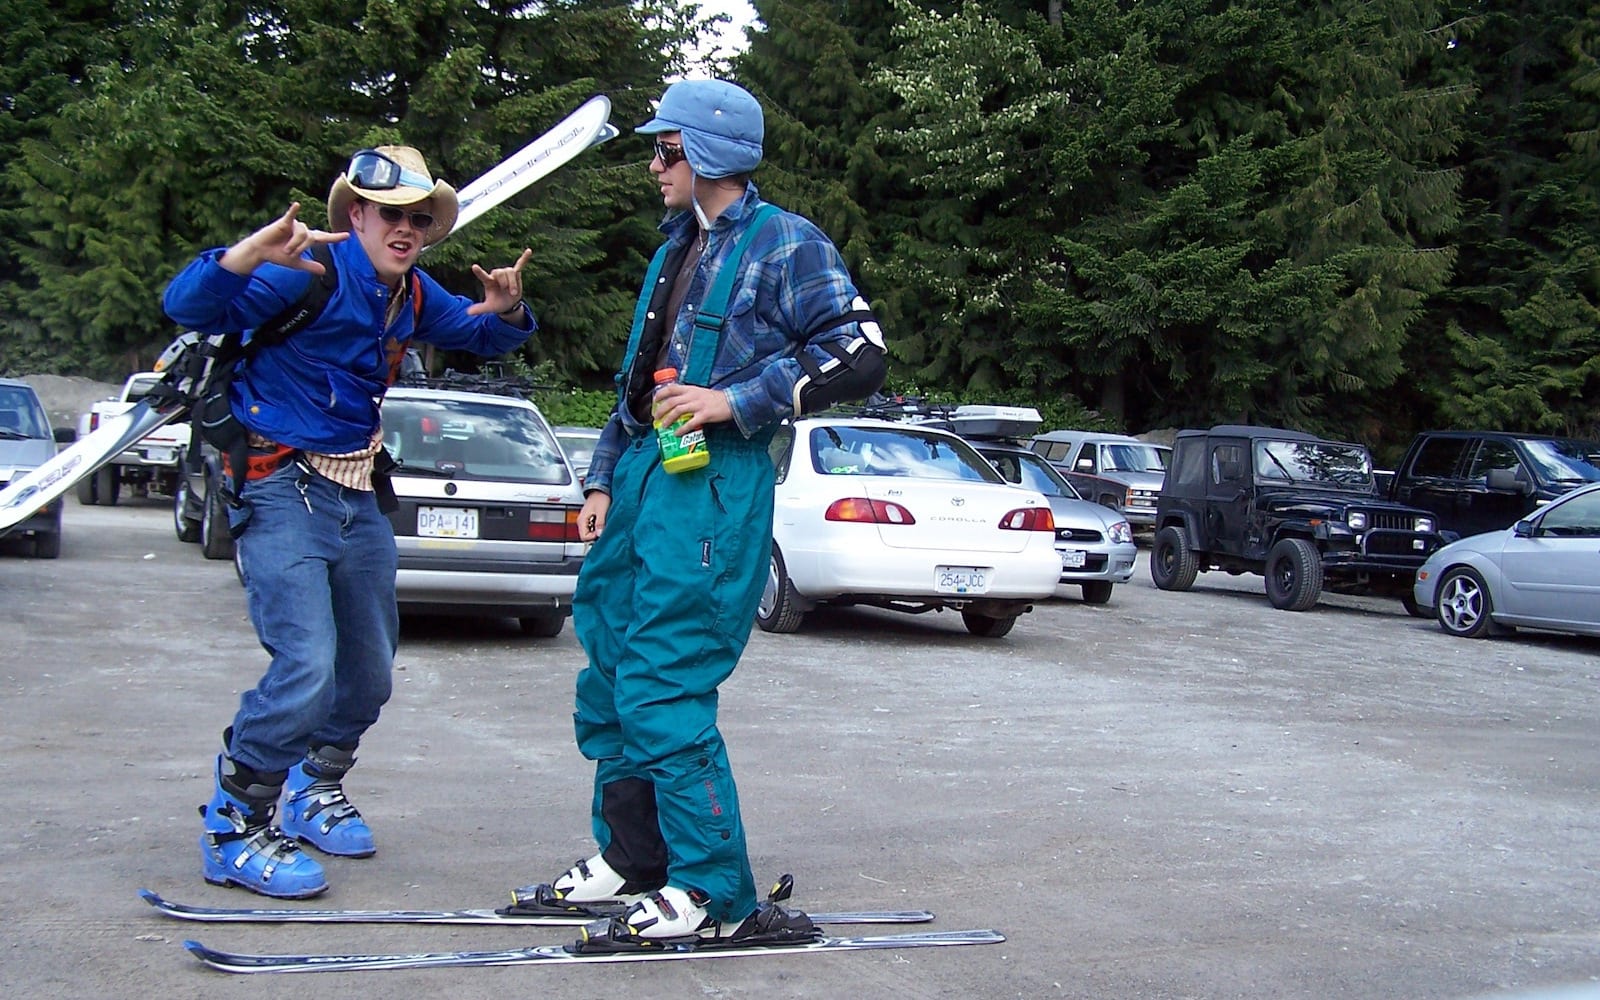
<point x="713" y="311"/>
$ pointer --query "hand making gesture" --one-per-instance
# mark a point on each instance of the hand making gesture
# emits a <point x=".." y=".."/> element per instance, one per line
<point x="502" y="288"/>
<point x="280" y="241"/>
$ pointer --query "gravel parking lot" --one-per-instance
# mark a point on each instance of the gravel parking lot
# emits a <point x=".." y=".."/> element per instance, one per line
<point x="1173" y="795"/>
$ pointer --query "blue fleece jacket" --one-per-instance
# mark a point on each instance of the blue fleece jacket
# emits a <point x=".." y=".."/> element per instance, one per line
<point x="320" y="389"/>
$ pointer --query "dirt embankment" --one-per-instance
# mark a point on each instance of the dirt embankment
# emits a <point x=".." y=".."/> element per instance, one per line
<point x="67" y="397"/>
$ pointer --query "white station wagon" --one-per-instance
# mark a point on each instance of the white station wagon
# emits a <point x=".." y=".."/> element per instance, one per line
<point x="488" y="518"/>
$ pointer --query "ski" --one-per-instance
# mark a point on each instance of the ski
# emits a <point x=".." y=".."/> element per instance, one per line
<point x="27" y="493"/>
<point x="584" y="128"/>
<point x="559" y="955"/>
<point x="285" y="915"/>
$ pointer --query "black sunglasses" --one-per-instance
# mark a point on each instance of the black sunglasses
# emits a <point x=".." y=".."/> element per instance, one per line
<point x="670" y="155"/>
<point x="392" y="215"/>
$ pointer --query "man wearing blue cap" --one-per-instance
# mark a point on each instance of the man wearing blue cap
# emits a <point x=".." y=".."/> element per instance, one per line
<point x="668" y="593"/>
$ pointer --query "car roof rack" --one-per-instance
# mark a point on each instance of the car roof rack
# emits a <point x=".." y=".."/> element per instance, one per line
<point x="492" y="381"/>
<point x="977" y="421"/>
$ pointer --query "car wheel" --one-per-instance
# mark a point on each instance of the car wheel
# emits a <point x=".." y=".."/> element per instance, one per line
<point x="107" y="485"/>
<point x="1408" y="600"/>
<point x="1294" y="575"/>
<point x="47" y="544"/>
<point x="1464" y="606"/>
<point x="185" y="522"/>
<point x="987" y="626"/>
<point x="779" y="610"/>
<point x="1097" y="592"/>
<point x="216" y="543"/>
<point x="545" y="625"/>
<point x="87" y="494"/>
<point x="1173" y="564"/>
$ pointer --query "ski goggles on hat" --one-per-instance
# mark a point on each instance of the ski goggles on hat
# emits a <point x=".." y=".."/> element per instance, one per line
<point x="371" y="170"/>
<point x="393" y="215"/>
<point x="669" y="154"/>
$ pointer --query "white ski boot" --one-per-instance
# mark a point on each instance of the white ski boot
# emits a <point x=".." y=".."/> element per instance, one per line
<point x="590" y="886"/>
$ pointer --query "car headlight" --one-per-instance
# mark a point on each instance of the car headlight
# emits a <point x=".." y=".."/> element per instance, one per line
<point x="1121" y="533"/>
<point x="1424" y="525"/>
<point x="1357" y="520"/>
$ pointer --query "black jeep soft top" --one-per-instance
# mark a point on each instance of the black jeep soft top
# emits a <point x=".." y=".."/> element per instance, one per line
<point x="1296" y="508"/>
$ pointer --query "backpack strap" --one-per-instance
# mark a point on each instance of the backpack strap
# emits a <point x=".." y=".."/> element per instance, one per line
<point x="303" y="311"/>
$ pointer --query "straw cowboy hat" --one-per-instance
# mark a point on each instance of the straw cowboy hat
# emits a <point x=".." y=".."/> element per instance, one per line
<point x="396" y="175"/>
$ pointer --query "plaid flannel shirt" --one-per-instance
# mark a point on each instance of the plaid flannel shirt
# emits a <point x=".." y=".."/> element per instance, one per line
<point x="794" y="282"/>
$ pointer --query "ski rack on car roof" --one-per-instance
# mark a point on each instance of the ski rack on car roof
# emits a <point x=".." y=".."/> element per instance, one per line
<point x="968" y="420"/>
<point x="493" y="381"/>
<point x="907" y="408"/>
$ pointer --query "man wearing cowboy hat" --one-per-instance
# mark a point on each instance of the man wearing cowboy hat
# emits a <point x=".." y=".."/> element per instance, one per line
<point x="668" y="593"/>
<point x="317" y="555"/>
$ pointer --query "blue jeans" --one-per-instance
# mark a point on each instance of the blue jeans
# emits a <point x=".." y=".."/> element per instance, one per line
<point x="319" y="568"/>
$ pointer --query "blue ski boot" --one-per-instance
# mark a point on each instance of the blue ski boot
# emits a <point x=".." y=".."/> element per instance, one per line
<point x="241" y="847"/>
<point x="316" y="811"/>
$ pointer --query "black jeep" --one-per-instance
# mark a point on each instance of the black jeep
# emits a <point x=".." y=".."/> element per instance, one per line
<point x="1297" y="509"/>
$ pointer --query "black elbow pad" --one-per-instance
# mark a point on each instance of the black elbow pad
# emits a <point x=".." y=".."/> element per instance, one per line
<point x="856" y="370"/>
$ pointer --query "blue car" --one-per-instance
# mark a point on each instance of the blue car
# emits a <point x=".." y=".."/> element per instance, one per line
<point x="1542" y="572"/>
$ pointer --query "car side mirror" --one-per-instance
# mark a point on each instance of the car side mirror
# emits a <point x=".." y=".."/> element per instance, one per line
<point x="65" y="435"/>
<point x="1523" y="529"/>
<point x="1085" y="465"/>
<point x="1507" y="481"/>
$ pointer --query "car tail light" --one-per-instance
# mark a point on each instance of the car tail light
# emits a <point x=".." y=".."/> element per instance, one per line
<point x="868" y="511"/>
<point x="1029" y="519"/>
<point x="429" y="425"/>
<point x="94" y="422"/>
<point x="551" y="525"/>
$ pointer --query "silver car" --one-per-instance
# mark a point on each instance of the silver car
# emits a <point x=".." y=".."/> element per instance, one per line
<point x="27" y="442"/>
<point x="579" y="444"/>
<point x="488" y="518"/>
<point x="1095" y="542"/>
<point x="1113" y="470"/>
<point x="1542" y="572"/>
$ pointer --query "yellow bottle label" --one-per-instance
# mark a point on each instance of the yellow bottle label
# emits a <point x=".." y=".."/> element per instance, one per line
<point x="681" y="454"/>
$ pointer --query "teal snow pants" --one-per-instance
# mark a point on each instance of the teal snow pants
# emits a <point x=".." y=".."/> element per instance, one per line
<point x="663" y="608"/>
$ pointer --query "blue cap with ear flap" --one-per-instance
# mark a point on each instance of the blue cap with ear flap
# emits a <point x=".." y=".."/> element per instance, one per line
<point x="721" y="125"/>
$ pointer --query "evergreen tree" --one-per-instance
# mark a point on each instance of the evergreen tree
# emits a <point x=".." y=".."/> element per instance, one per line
<point x="46" y="51"/>
<point x="1517" y="335"/>
<point x="1183" y="211"/>
<point x="222" y="113"/>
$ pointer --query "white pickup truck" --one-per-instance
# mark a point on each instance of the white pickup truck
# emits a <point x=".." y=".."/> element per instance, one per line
<point x="153" y="465"/>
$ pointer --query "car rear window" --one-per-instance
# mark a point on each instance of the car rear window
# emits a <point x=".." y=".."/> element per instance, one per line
<point x="893" y="451"/>
<point x="473" y="439"/>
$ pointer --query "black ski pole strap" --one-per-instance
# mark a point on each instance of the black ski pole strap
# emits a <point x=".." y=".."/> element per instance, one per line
<point x="383" y="466"/>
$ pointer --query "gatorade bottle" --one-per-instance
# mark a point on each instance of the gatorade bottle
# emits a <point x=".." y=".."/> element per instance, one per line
<point x="679" y="454"/>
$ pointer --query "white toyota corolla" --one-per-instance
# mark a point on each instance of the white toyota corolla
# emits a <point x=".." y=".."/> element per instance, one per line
<point x="901" y="516"/>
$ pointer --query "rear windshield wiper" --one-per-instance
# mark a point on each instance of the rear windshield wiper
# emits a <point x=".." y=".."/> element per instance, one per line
<point x="405" y="469"/>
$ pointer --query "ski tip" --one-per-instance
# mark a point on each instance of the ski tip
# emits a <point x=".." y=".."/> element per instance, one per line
<point x="152" y="898"/>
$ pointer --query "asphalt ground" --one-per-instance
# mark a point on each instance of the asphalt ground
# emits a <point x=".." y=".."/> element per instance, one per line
<point x="1173" y="795"/>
